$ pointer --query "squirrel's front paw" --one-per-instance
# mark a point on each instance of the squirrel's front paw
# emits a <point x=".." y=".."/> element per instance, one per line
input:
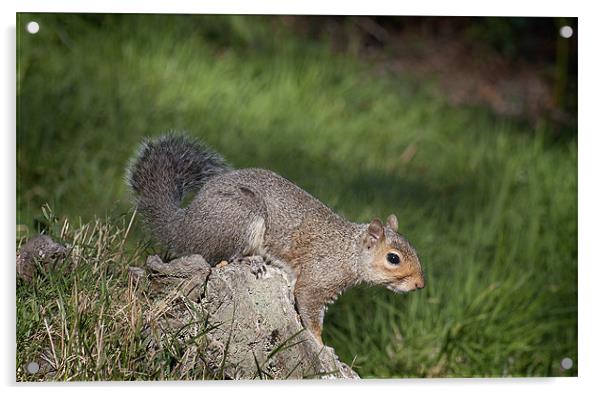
<point x="255" y="262"/>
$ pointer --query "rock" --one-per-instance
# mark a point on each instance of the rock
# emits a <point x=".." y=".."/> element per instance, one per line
<point x="244" y="327"/>
<point x="41" y="249"/>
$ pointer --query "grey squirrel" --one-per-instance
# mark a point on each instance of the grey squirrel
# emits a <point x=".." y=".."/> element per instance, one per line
<point x="254" y="215"/>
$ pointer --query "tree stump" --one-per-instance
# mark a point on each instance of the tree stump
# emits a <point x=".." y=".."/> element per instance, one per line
<point x="237" y="325"/>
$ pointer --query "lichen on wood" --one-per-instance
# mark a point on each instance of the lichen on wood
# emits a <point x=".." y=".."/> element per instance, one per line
<point x="250" y="328"/>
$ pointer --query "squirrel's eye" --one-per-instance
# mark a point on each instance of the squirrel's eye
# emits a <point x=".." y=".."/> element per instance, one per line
<point x="393" y="258"/>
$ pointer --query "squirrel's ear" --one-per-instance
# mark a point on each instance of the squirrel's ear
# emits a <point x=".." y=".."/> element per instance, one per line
<point x="392" y="222"/>
<point x="375" y="233"/>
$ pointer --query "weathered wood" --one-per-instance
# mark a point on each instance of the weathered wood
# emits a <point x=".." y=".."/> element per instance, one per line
<point x="249" y="325"/>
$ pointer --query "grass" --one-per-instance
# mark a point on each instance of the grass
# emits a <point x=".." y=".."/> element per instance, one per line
<point x="86" y="320"/>
<point x="489" y="203"/>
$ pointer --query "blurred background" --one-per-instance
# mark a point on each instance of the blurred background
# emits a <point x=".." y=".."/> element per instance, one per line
<point x="466" y="128"/>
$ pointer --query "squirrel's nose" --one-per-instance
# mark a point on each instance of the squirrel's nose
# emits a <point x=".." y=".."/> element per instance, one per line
<point x="419" y="283"/>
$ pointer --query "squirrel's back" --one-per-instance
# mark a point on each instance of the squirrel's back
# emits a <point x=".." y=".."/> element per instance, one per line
<point x="220" y="220"/>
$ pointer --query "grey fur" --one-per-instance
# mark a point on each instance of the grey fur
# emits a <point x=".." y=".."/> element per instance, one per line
<point x="235" y="211"/>
<point x="162" y="172"/>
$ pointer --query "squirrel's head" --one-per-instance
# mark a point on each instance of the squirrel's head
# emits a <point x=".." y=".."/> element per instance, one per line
<point x="389" y="259"/>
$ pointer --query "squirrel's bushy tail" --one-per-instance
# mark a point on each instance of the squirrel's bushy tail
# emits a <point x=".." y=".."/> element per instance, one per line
<point x="163" y="171"/>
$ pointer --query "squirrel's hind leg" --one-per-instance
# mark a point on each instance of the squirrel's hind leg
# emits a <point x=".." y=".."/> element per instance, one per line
<point x="254" y="252"/>
<point x="255" y="237"/>
<point x="256" y="263"/>
<point x="257" y="257"/>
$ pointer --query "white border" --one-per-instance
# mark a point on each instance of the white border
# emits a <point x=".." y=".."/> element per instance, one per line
<point x="590" y="196"/>
<point x="350" y="7"/>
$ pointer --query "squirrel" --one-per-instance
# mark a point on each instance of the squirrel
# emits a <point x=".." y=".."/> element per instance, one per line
<point x="254" y="216"/>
